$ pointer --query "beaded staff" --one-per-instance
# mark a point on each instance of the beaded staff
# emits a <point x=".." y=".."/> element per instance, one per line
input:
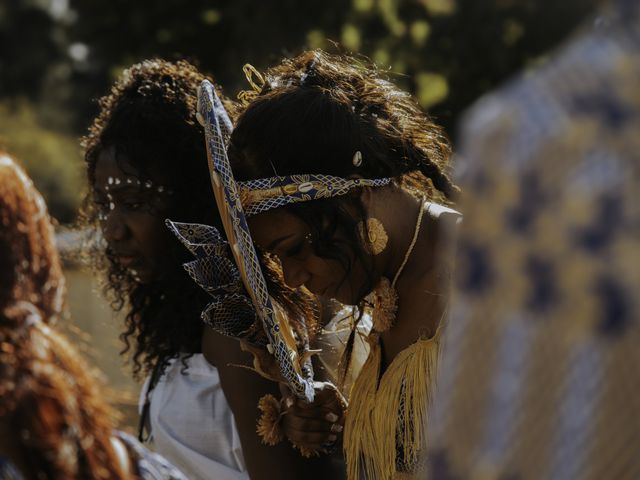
<point x="295" y="368"/>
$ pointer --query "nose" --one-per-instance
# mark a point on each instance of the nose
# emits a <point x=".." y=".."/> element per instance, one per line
<point x="115" y="228"/>
<point x="295" y="275"/>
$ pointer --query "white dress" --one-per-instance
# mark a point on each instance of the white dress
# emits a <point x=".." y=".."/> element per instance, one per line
<point x="191" y="422"/>
<point x="332" y="340"/>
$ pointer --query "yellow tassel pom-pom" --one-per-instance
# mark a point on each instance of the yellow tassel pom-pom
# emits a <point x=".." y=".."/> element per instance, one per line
<point x="384" y="301"/>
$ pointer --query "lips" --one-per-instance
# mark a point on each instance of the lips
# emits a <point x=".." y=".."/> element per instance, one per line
<point x="126" y="259"/>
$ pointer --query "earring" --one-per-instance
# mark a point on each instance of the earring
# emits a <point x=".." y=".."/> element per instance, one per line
<point x="374" y="237"/>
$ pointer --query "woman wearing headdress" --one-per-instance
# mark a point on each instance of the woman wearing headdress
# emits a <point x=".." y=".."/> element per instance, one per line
<point x="54" y="422"/>
<point x="146" y="162"/>
<point x="344" y="180"/>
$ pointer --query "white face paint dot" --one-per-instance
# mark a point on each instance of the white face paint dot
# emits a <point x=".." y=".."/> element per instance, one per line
<point x="128" y="180"/>
<point x="112" y="206"/>
<point x="117" y="181"/>
<point x="148" y="184"/>
<point x="110" y="180"/>
<point x="161" y="189"/>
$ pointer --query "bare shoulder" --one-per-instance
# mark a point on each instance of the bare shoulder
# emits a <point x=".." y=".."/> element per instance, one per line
<point x="444" y="214"/>
<point x="220" y="350"/>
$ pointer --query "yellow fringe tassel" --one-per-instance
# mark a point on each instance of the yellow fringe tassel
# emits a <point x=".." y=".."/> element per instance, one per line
<point x="388" y="418"/>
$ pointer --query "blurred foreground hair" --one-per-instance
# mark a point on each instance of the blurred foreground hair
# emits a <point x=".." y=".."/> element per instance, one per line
<point x="30" y="267"/>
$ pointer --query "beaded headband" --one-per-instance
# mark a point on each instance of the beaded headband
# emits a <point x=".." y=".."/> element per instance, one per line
<point x="263" y="194"/>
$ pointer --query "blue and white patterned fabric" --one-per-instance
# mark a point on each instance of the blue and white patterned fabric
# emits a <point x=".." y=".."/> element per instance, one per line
<point x="231" y="312"/>
<point x="540" y="377"/>
<point x="295" y="367"/>
<point x="264" y="194"/>
<point x="8" y="471"/>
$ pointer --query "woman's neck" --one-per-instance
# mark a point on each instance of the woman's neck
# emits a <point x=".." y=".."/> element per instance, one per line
<point x="401" y="217"/>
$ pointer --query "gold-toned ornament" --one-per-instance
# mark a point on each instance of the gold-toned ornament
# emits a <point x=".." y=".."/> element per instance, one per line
<point x="384" y="304"/>
<point x="374" y="238"/>
<point x="384" y="298"/>
<point x="247" y="96"/>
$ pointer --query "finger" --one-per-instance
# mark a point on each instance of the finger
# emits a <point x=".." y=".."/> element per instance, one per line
<point x="309" y="425"/>
<point x="312" y="440"/>
<point x="317" y="413"/>
<point x="285" y="391"/>
<point x="328" y="397"/>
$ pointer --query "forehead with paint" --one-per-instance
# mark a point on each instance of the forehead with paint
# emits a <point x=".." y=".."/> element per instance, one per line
<point x="132" y="206"/>
<point x="115" y="174"/>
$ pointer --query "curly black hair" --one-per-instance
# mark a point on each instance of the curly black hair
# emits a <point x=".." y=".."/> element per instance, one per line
<point x="150" y="116"/>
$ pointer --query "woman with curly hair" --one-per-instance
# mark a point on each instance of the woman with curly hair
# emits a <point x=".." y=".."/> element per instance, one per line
<point x="146" y="162"/>
<point x="54" y="422"/>
<point x="344" y="179"/>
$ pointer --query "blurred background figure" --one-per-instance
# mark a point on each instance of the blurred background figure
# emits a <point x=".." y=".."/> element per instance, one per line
<point x="541" y="370"/>
<point x="30" y="268"/>
<point x="54" y="421"/>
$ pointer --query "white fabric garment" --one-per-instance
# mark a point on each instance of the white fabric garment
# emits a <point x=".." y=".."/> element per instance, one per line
<point x="191" y="422"/>
<point x="332" y="340"/>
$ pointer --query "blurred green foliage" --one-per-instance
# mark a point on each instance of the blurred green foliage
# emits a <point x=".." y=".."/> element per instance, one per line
<point x="61" y="55"/>
<point x="52" y="158"/>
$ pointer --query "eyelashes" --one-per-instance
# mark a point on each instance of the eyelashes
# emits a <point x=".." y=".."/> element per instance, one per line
<point x="295" y="250"/>
<point x="104" y="207"/>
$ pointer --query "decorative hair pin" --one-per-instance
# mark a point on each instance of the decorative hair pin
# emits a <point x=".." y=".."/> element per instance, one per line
<point x="246" y="96"/>
<point x="357" y="158"/>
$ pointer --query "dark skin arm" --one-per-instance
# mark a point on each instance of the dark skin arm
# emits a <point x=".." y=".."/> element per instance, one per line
<point x="243" y="388"/>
